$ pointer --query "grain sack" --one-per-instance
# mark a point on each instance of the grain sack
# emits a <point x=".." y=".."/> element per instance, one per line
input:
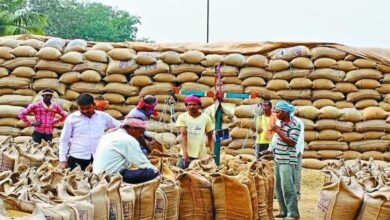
<point x="351" y="114"/>
<point x="85" y="87"/>
<point x="73" y="57"/>
<point x="374" y="112"/>
<point x="376" y="205"/>
<point x="114" y="98"/>
<point x="245" y="111"/>
<point x="367" y="84"/>
<point x="350" y="155"/>
<point x="352" y="136"/>
<point x="121" y="67"/>
<point x="8" y="121"/>
<point x="309" y="124"/>
<point x="7" y="159"/>
<point x="77" y="45"/>
<point x="192" y="56"/>
<point x="235" y="80"/>
<point x="70" y="77"/>
<point x="355" y="75"/>
<point x="165" y="77"/>
<point x="156" y="88"/>
<point x="6" y="91"/>
<point x="90" y="76"/>
<point x="165" y="138"/>
<point x="263" y="92"/>
<point x="122" y="54"/>
<point x="171" y="57"/>
<point x="362" y="104"/>
<point x="323" y="84"/>
<point x="329" y="134"/>
<point x="3" y="72"/>
<point x="121" y="88"/>
<point x="345" y="65"/>
<point x="383" y="89"/>
<point x="161" y="205"/>
<point x="329" y="112"/>
<point x="185" y="67"/>
<point x="55" y="42"/>
<point x="34" y="43"/>
<point x="194" y="86"/>
<point x="128" y="200"/>
<point x="27" y="131"/>
<point x="301" y="102"/>
<point x="21" y="61"/>
<point x="141" y="81"/>
<point x="29" y="159"/>
<point x="114" y="113"/>
<point x="301" y="83"/>
<point x="329" y="154"/>
<point x="245" y="123"/>
<point x="369" y="145"/>
<point x="55" y="66"/>
<point x="246" y="72"/>
<point x="313" y="164"/>
<point x="212" y="59"/>
<point x="172" y="191"/>
<point x="242" y="143"/>
<point x="302" y="63"/>
<point x="103" y="46"/>
<point x="119" y="78"/>
<point x="311" y="135"/>
<point x="326" y="94"/>
<point x="114" y="196"/>
<point x="325" y="63"/>
<point x="133" y="100"/>
<point x="323" y="124"/>
<point x="277" y="84"/>
<point x="195" y="197"/>
<point x="18" y="100"/>
<point x="310" y="154"/>
<point x="45" y="74"/>
<point x="89" y="65"/>
<point x="376" y="155"/>
<point x="234" y="88"/>
<point x="344" y="104"/>
<point x="48" y="53"/>
<point x="15" y="82"/>
<point x="345" y="87"/>
<point x="277" y="65"/>
<point x="327" y="73"/>
<point x="9" y="111"/>
<point x="372" y="125"/>
<point x="53" y="84"/>
<point x="293" y="94"/>
<point x="256" y="61"/>
<point x="241" y="133"/>
<point x="369" y="135"/>
<point x="363" y="94"/>
<point x="290" y="52"/>
<point x="226" y="202"/>
<point x="96" y="56"/>
<point x="5" y="53"/>
<point x="235" y="59"/>
<point x="291" y="74"/>
<point x="23" y="51"/>
<point x="225" y="71"/>
<point x="187" y="77"/>
<point x="318" y="52"/>
<point x="328" y="145"/>
<point x="385" y="106"/>
<point x="23" y="71"/>
<point x="319" y="103"/>
<point x="153" y="69"/>
<point x="364" y="63"/>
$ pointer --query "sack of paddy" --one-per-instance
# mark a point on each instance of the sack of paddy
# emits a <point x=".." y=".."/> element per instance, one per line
<point x="19" y="100"/>
<point x="156" y="88"/>
<point x="327" y="73"/>
<point x="251" y="81"/>
<point x="45" y="74"/>
<point x="226" y="71"/>
<point x="172" y="192"/>
<point x="5" y="53"/>
<point x="329" y="134"/>
<point x="114" y="196"/>
<point x="309" y="124"/>
<point x="375" y="205"/>
<point x="23" y="71"/>
<point x="195" y="197"/>
<point x="277" y="84"/>
<point x="9" y="111"/>
<point x="96" y="56"/>
<point x="90" y="76"/>
<point x="186" y="67"/>
<point x="152" y="69"/>
<point x="156" y="126"/>
<point x="114" y="98"/>
<point x="374" y="112"/>
<point x="20" y="61"/>
<point x="370" y="145"/>
<point x="245" y="111"/>
<point x="119" y="78"/>
<point x="319" y="103"/>
<point x="55" y="42"/>
<point x="72" y="57"/>
<point x="245" y="123"/>
<point x="121" y="88"/>
<point x="85" y="87"/>
<point x="192" y="56"/>
<point x="121" y="67"/>
<point x="277" y="65"/>
<point x="49" y="53"/>
<point x="293" y="94"/>
<point x="56" y="66"/>
<point x="325" y="62"/>
<point x="326" y="94"/>
<point x="330" y="112"/>
<point x="302" y="102"/>
<point x="313" y="164"/>
<point x="242" y="143"/>
<point x="34" y="43"/>
<point x="328" y="145"/>
<point x="257" y="60"/>
<point x="15" y="82"/>
<point x="263" y="92"/>
<point x="234" y="59"/>
<point x="122" y="54"/>
<point x="77" y="45"/>
<point x="290" y="53"/>
<point x="351" y="114"/>
<point x="187" y="77"/>
<point x="161" y="205"/>
<point x="364" y="63"/>
<point x="301" y="83"/>
<point x="311" y="136"/>
<point x="246" y="72"/>
<point x="8" y="157"/>
<point x="368" y="84"/>
<point x="365" y="103"/>
<point x="194" y="86"/>
<point x="309" y="112"/>
<point x="291" y="74"/>
<point x="302" y="63"/>
<point x="329" y="154"/>
<point x="350" y="155"/>
<point x="323" y="84"/>
<point x="12" y="208"/>
<point x="128" y="200"/>
<point x="212" y="59"/>
<point x="241" y="133"/>
<point x="372" y="125"/>
<point x="23" y="51"/>
<point x="145" y="197"/>
<point x="165" y="138"/>
<point x="227" y="204"/>
<point x="171" y="57"/>
<point x="53" y="84"/>
<point x="369" y="155"/>
<point x="356" y="75"/>
<point x="318" y="52"/>
<point x="323" y="124"/>
<point x="13" y="122"/>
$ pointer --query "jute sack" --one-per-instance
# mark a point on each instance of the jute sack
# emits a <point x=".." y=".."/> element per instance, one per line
<point x="246" y="72"/>
<point x="356" y="75"/>
<point x="114" y="98"/>
<point x="277" y="84"/>
<point x="96" y="56"/>
<point x="362" y="104"/>
<point x="318" y="52"/>
<point x="24" y="51"/>
<point x="3" y="72"/>
<point x="103" y="46"/>
<point x="121" y="67"/>
<point x="55" y="42"/>
<point x="171" y="57"/>
<point x="344" y="104"/>
<point x="19" y="100"/>
<point x="257" y="60"/>
<point x="187" y="77"/>
<point x="48" y="53"/>
<point x="119" y="78"/>
<point x="70" y="77"/>
<point x="301" y="83"/>
<point x="11" y="131"/>
<point x="345" y="87"/>
<point x="385" y="106"/>
<point x="123" y="54"/>
<point x="194" y="86"/>
<point x="85" y="87"/>
<point x="329" y="134"/>
<point x="152" y="69"/>
<point x="369" y="145"/>
<point x="195" y="197"/>
<point x="226" y="202"/>
<point x="124" y="109"/>
<point x="20" y="61"/>
<point x="212" y="59"/>
<point x="383" y="88"/>
<point x="185" y="67"/>
<point x="90" y="76"/>
<point x="89" y="65"/>
<point x="374" y="112"/>
<point x="376" y="205"/>
<point x="85" y="210"/>
<point x="45" y="74"/>
<point x="10" y="43"/>
<point x="165" y="77"/>
<point x="345" y="65"/>
<point x="242" y="143"/>
<point x="8" y="121"/>
<point x="261" y="189"/>
<point x="326" y="94"/>
<point x="290" y="52"/>
<point x="114" y="113"/>
<point x="235" y="80"/>
<point x="23" y="71"/>
<point x="5" y="53"/>
<point x="328" y="145"/>
<point x="31" y="159"/>
<point x="192" y="56"/>
<point x="141" y="81"/>
<point x="128" y="200"/>
<point x="376" y="155"/>
<point x="350" y="155"/>
<point x="278" y="65"/>
<point x="310" y="154"/>
<point x="50" y="83"/>
<point x="241" y="133"/>
<point x="309" y="124"/>
<point x="372" y="125"/>
<point x="302" y="63"/>
<point x="27" y="131"/>
<point x="323" y="124"/>
<point x="8" y="157"/>
<point x="71" y="95"/>
<point x="235" y="59"/>
<point x="245" y="111"/>
<point x="12" y="208"/>
<point x="121" y="88"/>
<point x="73" y="57"/>
<point x="351" y="114"/>
<point x="6" y="91"/>
<point x="264" y="92"/>
<point x="329" y="154"/>
<point x="311" y="135"/>
<point x="15" y="82"/>
<point x="249" y="181"/>
<point x="145" y="198"/>
<point x="325" y="62"/>
<point x="302" y="102"/>
<point x="56" y="66"/>
<point x="369" y="135"/>
<point x="323" y="84"/>
<point x="327" y="73"/>
<point x="293" y="94"/>
<point x="234" y="152"/>
<point x="207" y="80"/>
<point x="367" y="84"/>
<point x="77" y="45"/>
<point x="291" y="74"/>
<point x="245" y="123"/>
<point x="172" y="191"/>
<point x="309" y="112"/>
<point x="364" y="63"/>
<point x="116" y="208"/>
<point x="34" y="43"/>
<point x="9" y="111"/>
<point x="161" y="207"/>
<point x="156" y="88"/>
<point x="330" y="112"/>
<point x="232" y="88"/>
<point x="226" y="71"/>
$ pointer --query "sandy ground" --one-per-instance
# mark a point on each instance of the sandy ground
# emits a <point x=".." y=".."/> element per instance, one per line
<point x="312" y="181"/>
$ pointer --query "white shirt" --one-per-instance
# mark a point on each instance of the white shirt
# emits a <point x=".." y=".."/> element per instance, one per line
<point x="80" y="134"/>
<point x="116" y="151"/>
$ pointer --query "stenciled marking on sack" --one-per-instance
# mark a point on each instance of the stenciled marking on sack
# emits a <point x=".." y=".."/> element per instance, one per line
<point x="128" y="208"/>
<point x="159" y="206"/>
<point x="123" y="64"/>
<point x="83" y="214"/>
<point x="324" y="202"/>
<point x="49" y="217"/>
<point x="6" y="165"/>
<point x="113" y="211"/>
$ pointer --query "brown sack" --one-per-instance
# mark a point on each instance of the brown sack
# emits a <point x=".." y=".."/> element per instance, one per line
<point x="145" y="198"/>
<point x="328" y="145"/>
<point x="116" y="208"/>
<point x="172" y="191"/>
<point x="370" y="145"/>
<point x="376" y="205"/>
<point x="161" y="207"/>
<point x="128" y="200"/>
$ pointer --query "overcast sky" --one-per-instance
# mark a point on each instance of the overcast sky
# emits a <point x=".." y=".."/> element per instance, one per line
<point x="350" y="22"/>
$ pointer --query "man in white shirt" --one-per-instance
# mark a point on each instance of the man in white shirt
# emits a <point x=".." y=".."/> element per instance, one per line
<point x="81" y="133"/>
<point x="119" y="149"/>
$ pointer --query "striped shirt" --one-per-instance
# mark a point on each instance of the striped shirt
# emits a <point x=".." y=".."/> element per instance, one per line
<point x="285" y="154"/>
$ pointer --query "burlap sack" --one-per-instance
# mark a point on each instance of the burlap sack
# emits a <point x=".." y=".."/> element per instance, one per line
<point x="310" y="154"/>
<point x="55" y="42"/>
<point x="185" y="67"/>
<point x="351" y="114"/>
<point x="89" y="65"/>
<point x="356" y="75"/>
<point x="121" y="67"/>
<point x="56" y="66"/>
<point x="325" y="62"/>
<point x="313" y="164"/>
<point x="34" y="43"/>
<point x="96" y="56"/>
<point x="90" y="76"/>
<point x="103" y="46"/>
<point x="45" y="74"/>
<point x="369" y="145"/>
<point x="145" y="198"/>
<point x="70" y="77"/>
<point x="318" y="52"/>
<point x="302" y="63"/>
<point x="372" y="125"/>
<point x="85" y="87"/>
<point x="371" y="113"/>
<point x="73" y="57"/>
<point x="212" y="59"/>
<point x="123" y="54"/>
<point x="20" y="61"/>
<point x="350" y="155"/>
<point x="161" y="207"/>
<point x="329" y="154"/>
<point x="54" y="84"/>
<point x="128" y="200"/>
<point x="23" y="51"/>
<point x="345" y="65"/>
<point x="291" y="74"/>
<point x="329" y="134"/>
<point x="278" y="65"/>
<point x="119" y="78"/>
<point x="257" y="60"/>
<point x="308" y="112"/>
<point x="344" y="104"/>
<point x="242" y="143"/>
<point x="329" y="112"/>
<point x="187" y="77"/>
<point x="123" y="89"/>
<point x="15" y="82"/>
<point x="375" y="205"/>
<point x="153" y="69"/>
<point x="293" y="94"/>
<point x="116" y="206"/>
<point x="156" y="88"/>
<point x="364" y="63"/>
<point x="326" y="94"/>
<point x="323" y="124"/>
<point x="302" y="102"/>
<point x="328" y="145"/>
<point x="345" y="87"/>
<point x="309" y="124"/>
<point x="141" y="81"/>
<point x="48" y="53"/>
<point x="241" y="133"/>
<point x="311" y="135"/>
<point x="369" y="155"/>
<point x="10" y="43"/>
<point x="11" y="131"/>
<point x="365" y="103"/>
<point x="246" y="72"/>
<point x="367" y="84"/>
<point x="171" y="57"/>
<point x="19" y="100"/>
<point x="323" y="84"/>
<point x="277" y="84"/>
<point x="192" y="56"/>
<point x="327" y="73"/>
<point x="5" y="53"/>
<point x="23" y="71"/>
<point x="301" y="83"/>
<point x="235" y="80"/>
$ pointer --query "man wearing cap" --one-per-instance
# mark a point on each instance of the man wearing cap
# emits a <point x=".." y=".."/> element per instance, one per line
<point x="285" y="151"/>
<point x="44" y="112"/>
<point x="119" y="149"/>
<point x="193" y="126"/>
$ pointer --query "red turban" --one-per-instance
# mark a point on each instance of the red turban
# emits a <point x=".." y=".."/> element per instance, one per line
<point x="192" y="98"/>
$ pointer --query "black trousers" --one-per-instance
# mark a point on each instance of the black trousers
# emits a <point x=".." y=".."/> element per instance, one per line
<point x="74" y="162"/>
<point x="138" y="176"/>
<point x="37" y="137"/>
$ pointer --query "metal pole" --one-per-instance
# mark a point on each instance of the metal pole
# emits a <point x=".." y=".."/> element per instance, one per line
<point x="208" y="19"/>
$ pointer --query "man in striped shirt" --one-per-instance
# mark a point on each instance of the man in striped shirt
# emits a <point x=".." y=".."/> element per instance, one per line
<point x="286" y="159"/>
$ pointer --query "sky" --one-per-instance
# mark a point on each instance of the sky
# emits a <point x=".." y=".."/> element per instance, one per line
<point x="360" y="23"/>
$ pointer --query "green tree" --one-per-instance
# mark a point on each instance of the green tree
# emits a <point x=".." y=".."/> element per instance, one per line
<point x="90" y="21"/>
<point x="17" y="18"/>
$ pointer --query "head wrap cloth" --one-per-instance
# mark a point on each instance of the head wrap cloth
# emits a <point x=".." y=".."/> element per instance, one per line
<point x="134" y="122"/>
<point x="192" y="98"/>
<point x="285" y="106"/>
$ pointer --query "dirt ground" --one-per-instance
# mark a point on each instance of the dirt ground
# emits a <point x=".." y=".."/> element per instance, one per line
<point x="312" y="181"/>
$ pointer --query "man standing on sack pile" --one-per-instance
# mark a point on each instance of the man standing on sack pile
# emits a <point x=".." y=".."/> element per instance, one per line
<point x="44" y="112"/>
<point x="193" y="126"/>
<point x="118" y="149"/>
<point x="81" y="133"/>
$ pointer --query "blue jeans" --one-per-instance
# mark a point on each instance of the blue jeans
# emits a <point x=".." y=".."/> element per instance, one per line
<point x="286" y="194"/>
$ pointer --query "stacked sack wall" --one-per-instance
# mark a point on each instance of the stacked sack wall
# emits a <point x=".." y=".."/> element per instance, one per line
<point x="343" y="98"/>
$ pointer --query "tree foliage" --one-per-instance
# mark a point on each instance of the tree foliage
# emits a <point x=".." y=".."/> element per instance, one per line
<point x="91" y="21"/>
